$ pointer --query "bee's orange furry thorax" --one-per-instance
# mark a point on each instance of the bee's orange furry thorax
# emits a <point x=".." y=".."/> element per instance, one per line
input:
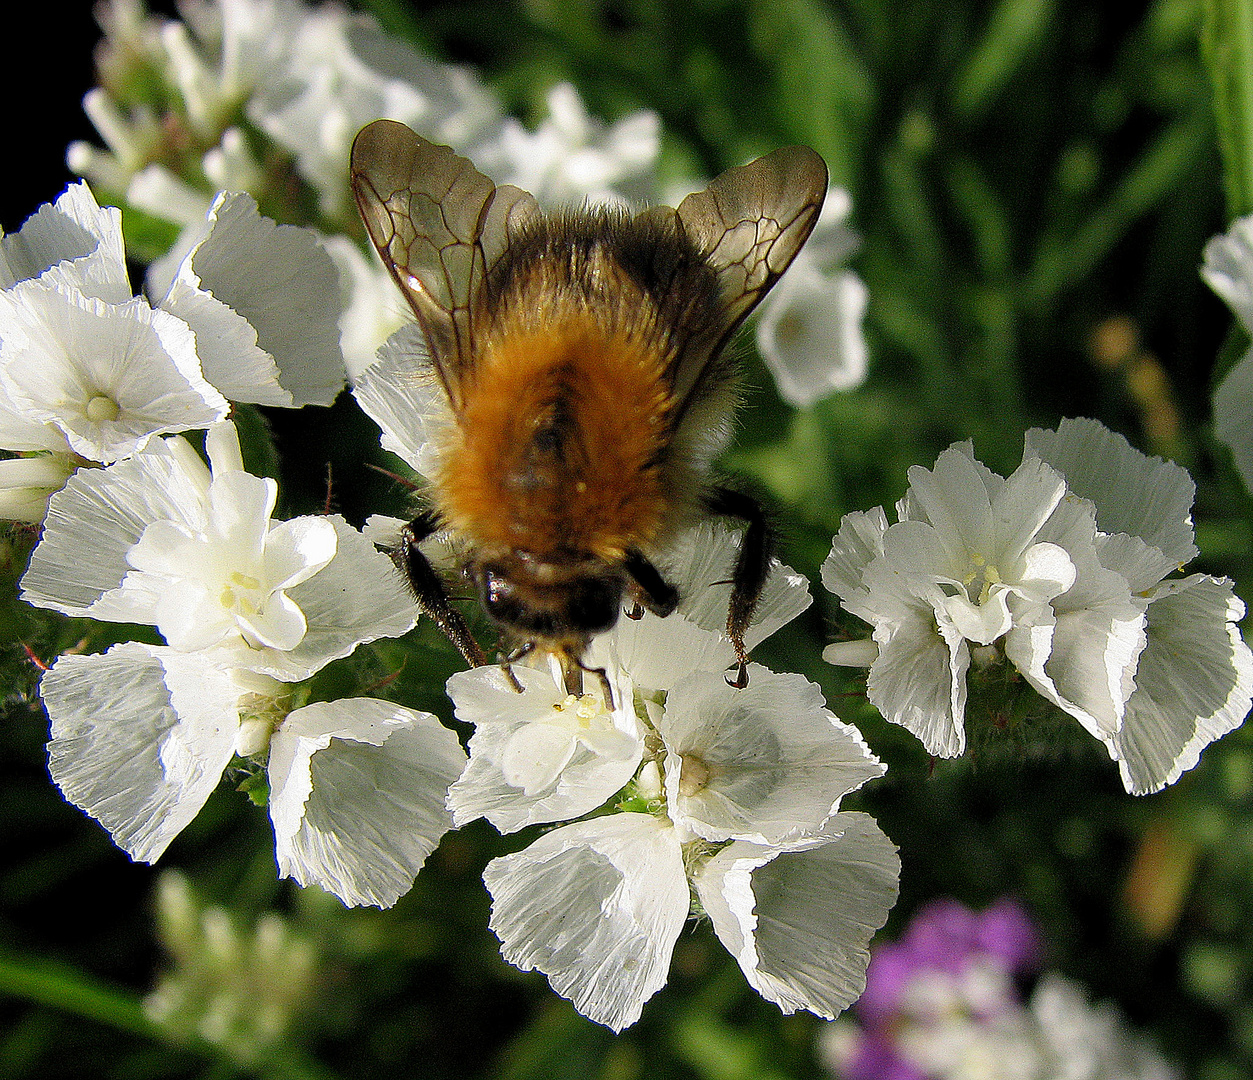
<point x="560" y="444"/>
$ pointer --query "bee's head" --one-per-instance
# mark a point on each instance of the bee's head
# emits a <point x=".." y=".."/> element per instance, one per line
<point x="550" y="601"/>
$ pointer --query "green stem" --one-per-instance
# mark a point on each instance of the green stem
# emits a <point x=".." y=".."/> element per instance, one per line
<point x="1227" y="44"/>
<point x="80" y="995"/>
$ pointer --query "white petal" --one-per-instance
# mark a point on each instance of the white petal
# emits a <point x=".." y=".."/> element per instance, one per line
<point x="773" y="761"/>
<point x="582" y="773"/>
<point x="358" y="596"/>
<point x="226" y="343"/>
<point x="400" y="393"/>
<point x="859" y="540"/>
<point x="799" y="921"/>
<point x="919" y="678"/>
<point x="700" y="563"/>
<point x="99" y="516"/>
<point x="1229" y="268"/>
<point x="357" y="792"/>
<point x="140" y="736"/>
<point x="80" y="242"/>
<point x="659" y="652"/>
<point x="285" y="285"/>
<point x="296" y="550"/>
<point x="1193" y="685"/>
<point x="956" y="502"/>
<point x="597" y="907"/>
<point x="1233" y="405"/>
<point x="1144" y="496"/>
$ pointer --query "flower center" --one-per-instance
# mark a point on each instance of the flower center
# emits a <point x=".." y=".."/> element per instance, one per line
<point x="694" y="775"/>
<point x="980" y="577"/>
<point x="235" y="593"/>
<point x="582" y="708"/>
<point x="102" y="409"/>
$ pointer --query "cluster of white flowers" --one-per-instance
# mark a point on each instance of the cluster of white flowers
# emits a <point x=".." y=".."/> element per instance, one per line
<point x="308" y="77"/>
<point x="1061" y="569"/>
<point x="248" y="608"/>
<point x="90" y="372"/>
<point x="720" y="801"/>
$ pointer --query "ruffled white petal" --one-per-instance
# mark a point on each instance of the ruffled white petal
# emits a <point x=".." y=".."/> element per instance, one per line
<point x="75" y="239"/>
<point x="400" y="393"/>
<point x="700" y="563"/>
<point x="919" y="677"/>
<point x="570" y="770"/>
<point x="1194" y="683"/>
<point x="278" y="278"/>
<point x="140" y="736"/>
<point x="357" y="792"/>
<point x="1229" y="268"/>
<point x="1133" y="493"/>
<point x="597" y="907"/>
<point x="99" y="516"/>
<point x="799" y="920"/>
<point x="763" y="764"/>
<point x="859" y="540"/>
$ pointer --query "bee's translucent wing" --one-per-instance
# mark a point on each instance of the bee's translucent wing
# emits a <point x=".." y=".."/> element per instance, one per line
<point x="439" y="225"/>
<point x="749" y="223"/>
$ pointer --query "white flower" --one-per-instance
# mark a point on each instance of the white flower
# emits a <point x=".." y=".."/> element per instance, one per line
<point x="1229" y="270"/>
<point x="764" y="764"/>
<point x="810" y="328"/>
<point x="159" y="539"/>
<point x="264" y="302"/>
<point x="85" y="367"/>
<point x="571" y="156"/>
<point x="1063" y="566"/>
<point x="1193" y="681"/>
<point x="1089" y="1042"/>
<point x="107" y="376"/>
<point x="597" y="906"/>
<point x="542" y="755"/>
<point x="733" y="793"/>
<point x="142" y="733"/>
<point x="964" y="565"/>
<point x="342" y="72"/>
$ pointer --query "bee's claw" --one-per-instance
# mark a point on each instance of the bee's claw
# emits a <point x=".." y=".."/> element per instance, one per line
<point x="741" y="678"/>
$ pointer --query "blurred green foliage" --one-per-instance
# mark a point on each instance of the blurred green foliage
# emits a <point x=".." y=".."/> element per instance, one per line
<point x="1033" y="182"/>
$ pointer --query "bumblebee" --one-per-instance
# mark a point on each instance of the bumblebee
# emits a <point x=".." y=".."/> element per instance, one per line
<point x="583" y="357"/>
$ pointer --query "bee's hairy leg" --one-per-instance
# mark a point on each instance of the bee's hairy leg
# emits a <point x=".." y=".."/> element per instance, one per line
<point x="751" y="566"/>
<point x="648" y="588"/>
<point x="429" y="589"/>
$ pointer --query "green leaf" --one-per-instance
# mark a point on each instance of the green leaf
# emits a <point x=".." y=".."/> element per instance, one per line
<point x="1014" y="32"/>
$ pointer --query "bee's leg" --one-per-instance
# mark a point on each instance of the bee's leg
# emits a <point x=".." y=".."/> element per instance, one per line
<point x="507" y="662"/>
<point x="650" y="589"/>
<point x="428" y="587"/>
<point x="573" y="669"/>
<point x="751" y="567"/>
